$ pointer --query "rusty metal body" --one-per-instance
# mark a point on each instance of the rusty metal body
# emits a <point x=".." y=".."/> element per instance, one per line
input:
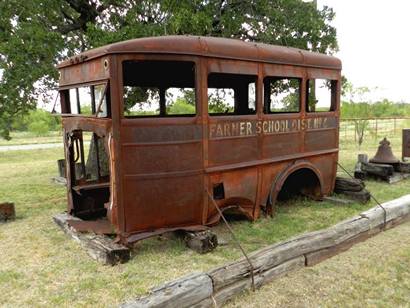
<point x="161" y="169"/>
<point x="406" y="143"/>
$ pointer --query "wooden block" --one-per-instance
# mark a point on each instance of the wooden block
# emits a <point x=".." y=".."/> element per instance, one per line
<point x="61" y="167"/>
<point x="380" y="170"/>
<point x="337" y="201"/>
<point x="99" y="247"/>
<point x="403" y="167"/>
<point x="201" y="242"/>
<point x="348" y="184"/>
<point x="362" y="158"/>
<point x="397" y="177"/>
<point x="7" y="211"/>
<point x="360" y="175"/>
<point x="361" y="196"/>
<point x="59" y="180"/>
<point x="184" y="292"/>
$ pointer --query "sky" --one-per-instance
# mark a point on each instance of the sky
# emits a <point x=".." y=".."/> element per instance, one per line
<point x="374" y="45"/>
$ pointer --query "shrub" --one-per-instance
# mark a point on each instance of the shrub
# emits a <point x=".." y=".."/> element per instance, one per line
<point x="38" y="121"/>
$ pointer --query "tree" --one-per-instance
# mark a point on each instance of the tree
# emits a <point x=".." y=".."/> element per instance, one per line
<point x="357" y="108"/>
<point x="35" y="35"/>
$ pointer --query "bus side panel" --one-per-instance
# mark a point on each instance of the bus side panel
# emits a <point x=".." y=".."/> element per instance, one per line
<point x="269" y="176"/>
<point x="162" y="173"/>
<point x="165" y="158"/>
<point x="281" y="144"/>
<point x="324" y="163"/>
<point x="324" y="138"/>
<point x="239" y="189"/>
<point x="162" y="202"/>
<point x="320" y="140"/>
<point x="231" y="151"/>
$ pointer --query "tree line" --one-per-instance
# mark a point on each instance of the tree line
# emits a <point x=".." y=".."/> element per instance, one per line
<point x="379" y="109"/>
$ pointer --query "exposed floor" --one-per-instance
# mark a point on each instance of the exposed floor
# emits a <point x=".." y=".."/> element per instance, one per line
<point x="374" y="273"/>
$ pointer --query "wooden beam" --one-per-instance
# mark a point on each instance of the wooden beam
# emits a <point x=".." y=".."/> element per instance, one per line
<point x="215" y="287"/>
<point x="99" y="247"/>
<point x="183" y="292"/>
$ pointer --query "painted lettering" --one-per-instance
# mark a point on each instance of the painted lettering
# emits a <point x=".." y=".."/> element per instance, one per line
<point x="258" y="127"/>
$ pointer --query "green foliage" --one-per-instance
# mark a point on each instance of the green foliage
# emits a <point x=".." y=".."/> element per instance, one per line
<point x="290" y="87"/>
<point x="35" y="35"/>
<point x="189" y="97"/>
<point x="384" y="108"/>
<point x="38" y="128"/>
<point x="217" y="101"/>
<point x="38" y="121"/>
<point x="137" y="97"/>
<point x="359" y="108"/>
<point x="291" y="101"/>
<point x="181" y="106"/>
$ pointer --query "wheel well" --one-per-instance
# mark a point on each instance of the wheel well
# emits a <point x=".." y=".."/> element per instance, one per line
<point x="303" y="181"/>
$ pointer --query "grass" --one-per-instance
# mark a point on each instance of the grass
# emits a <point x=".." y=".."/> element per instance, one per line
<point x="374" y="273"/>
<point x="20" y="138"/>
<point x="40" y="266"/>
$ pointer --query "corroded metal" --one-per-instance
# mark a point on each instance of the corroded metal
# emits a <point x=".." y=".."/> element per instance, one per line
<point x="406" y="143"/>
<point x="160" y="168"/>
<point x="384" y="154"/>
<point x="7" y="211"/>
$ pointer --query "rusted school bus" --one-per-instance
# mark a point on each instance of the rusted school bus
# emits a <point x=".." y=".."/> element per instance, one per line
<point x="175" y="121"/>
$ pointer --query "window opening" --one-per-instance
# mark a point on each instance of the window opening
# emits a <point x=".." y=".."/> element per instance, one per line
<point x="231" y="94"/>
<point x="86" y="100"/>
<point x="90" y="174"/>
<point x="320" y="95"/>
<point x="159" y="88"/>
<point x="90" y="153"/>
<point x="281" y="95"/>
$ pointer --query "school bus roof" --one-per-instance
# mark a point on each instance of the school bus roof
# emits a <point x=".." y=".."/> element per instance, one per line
<point x="211" y="47"/>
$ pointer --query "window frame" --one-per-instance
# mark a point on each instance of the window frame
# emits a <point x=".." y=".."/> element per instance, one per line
<point x="333" y="95"/>
<point x="300" y="92"/>
<point x="162" y="58"/>
<point x="64" y="93"/>
<point x="256" y="82"/>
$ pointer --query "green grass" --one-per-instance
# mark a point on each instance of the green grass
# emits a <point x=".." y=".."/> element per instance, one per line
<point x="19" y="138"/>
<point x="41" y="266"/>
<point x="374" y="273"/>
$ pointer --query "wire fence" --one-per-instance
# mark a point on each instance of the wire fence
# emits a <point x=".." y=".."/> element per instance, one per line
<point x="374" y="127"/>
